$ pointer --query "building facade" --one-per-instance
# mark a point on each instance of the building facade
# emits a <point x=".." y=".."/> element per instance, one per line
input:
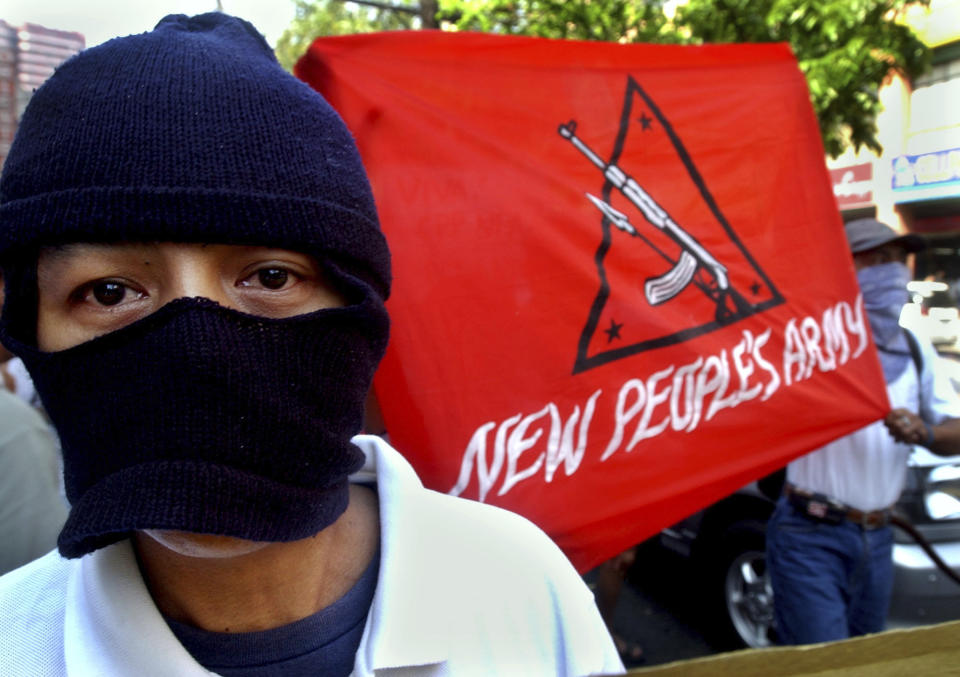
<point x="28" y="56"/>
<point x="914" y="185"/>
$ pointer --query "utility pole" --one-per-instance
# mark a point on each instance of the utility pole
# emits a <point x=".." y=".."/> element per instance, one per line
<point x="428" y="13"/>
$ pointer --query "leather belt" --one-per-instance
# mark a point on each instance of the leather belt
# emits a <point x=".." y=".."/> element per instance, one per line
<point x="822" y="508"/>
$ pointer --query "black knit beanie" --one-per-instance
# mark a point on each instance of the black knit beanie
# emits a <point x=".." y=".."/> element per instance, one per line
<point x="189" y="133"/>
<point x="194" y="133"/>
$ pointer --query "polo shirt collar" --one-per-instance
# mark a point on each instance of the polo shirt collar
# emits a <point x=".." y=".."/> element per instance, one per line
<point x="409" y="624"/>
<point x="112" y="625"/>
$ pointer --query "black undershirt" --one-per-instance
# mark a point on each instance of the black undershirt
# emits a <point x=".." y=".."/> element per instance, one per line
<point x="322" y="644"/>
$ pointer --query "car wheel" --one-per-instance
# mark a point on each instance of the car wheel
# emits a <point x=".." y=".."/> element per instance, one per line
<point x="743" y="609"/>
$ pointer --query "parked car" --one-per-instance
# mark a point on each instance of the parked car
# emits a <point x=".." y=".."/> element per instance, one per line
<point x="932" y="313"/>
<point x="726" y="545"/>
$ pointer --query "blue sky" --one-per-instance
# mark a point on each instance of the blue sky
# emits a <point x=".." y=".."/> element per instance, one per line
<point x="101" y="20"/>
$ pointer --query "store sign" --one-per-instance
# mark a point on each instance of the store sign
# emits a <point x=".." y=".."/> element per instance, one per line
<point x="928" y="175"/>
<point x="853" y="185"/>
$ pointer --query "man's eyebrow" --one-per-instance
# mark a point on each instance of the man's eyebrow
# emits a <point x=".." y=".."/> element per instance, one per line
<point x="63" y="247"/>
<point x="68" y="253"/>
<point x="58" y="251"/>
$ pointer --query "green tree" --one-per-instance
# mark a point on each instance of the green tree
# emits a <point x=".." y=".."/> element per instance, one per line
<point x="846" y="48"/>
<point x="608" y="20"/>
<point x="313" y="19"/>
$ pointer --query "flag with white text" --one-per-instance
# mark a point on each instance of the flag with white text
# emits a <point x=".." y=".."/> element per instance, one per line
<point x="622" y="288"/>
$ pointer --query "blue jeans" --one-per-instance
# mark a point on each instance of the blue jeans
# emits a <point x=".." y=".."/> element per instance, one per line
<point x="829" y="581"/>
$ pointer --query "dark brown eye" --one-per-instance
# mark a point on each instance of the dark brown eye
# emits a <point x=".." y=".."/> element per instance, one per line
<point x="273" y="278"/>
<point x="108" y="293"/>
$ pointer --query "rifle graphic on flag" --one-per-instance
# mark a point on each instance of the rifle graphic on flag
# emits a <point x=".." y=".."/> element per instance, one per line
<point x="694" y="256"/>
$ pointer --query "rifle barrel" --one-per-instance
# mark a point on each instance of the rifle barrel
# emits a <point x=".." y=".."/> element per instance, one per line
<point x="651" y="210"/>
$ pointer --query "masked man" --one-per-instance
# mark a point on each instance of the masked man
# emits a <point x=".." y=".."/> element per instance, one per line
<point x="829" y="544"/>
<point x="195" y="277"/>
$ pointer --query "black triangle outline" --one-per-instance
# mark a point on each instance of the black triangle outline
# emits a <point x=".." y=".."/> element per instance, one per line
<point x="584" y="362"/>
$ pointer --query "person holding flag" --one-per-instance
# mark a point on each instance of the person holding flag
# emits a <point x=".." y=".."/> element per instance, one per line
<point x="195" y="277"/>
<point x="829" y="543"/>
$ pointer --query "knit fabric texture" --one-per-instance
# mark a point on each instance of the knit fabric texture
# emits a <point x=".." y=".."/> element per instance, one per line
<point x="189" y="133"/>
<point x="206" y="419"/>
<point x="197" y="418"/>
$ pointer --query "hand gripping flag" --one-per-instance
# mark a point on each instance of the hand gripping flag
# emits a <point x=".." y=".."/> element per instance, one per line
<point x="622" y="289"/>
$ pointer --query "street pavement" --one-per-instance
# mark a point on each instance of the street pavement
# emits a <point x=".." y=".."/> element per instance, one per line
<point x="659" y="608"/>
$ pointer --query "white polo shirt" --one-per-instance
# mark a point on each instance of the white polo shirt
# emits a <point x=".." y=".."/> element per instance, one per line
<point x="867" y="469"/>
<point x="463" y="589"/>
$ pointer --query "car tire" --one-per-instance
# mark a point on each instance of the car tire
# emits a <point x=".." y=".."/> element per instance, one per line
<point x="739" y="588"/>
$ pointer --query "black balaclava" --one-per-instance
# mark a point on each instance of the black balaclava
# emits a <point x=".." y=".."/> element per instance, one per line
<point x="197" y="418"/>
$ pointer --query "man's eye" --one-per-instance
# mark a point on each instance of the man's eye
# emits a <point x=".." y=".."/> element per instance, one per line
<point x="108" y="293"/>
<point x="273" y="278"/>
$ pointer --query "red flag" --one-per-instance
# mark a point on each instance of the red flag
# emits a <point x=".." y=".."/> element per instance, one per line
<point x="622" y="288"/>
